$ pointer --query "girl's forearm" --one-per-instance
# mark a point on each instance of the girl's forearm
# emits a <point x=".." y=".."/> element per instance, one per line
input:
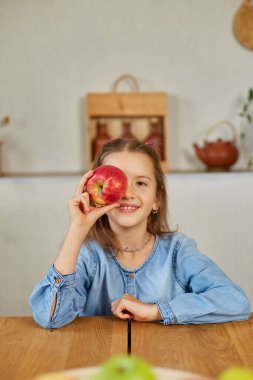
<point x="66" y="261"/>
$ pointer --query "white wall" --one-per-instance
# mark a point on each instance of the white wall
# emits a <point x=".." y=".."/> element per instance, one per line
<point x="55" y="51"/>
<point x="215" y="209"/>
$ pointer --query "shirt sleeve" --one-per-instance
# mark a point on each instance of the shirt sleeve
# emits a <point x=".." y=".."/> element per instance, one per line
<point x="209" y="295"/>
<point x="70" y="290"/>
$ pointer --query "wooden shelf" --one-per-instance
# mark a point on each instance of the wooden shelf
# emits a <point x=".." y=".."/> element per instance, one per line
<point x="80" y="173"/>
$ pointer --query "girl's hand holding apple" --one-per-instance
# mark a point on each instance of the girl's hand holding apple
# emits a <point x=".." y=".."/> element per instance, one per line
<point x="82" y="214"/>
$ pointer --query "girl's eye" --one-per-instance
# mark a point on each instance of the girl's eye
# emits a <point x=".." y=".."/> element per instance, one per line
<point x="141" y="183"/>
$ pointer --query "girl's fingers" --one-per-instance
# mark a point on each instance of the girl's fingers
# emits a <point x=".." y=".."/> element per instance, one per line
<point x="80" y="186"/>
<point x="125" y="307"/>
<point x="118" y="305"/>
<point x="107" y="208"/>
<point x="114" y="306"/>
<point x="125" y="315"/>
<point x="82" y="199"/>
<point x="120" y="311"/>
<point x="96" y="212"/>
<point x="83" y="202"/>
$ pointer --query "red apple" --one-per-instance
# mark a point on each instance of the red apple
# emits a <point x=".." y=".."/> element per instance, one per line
<point x="107" y="185"/>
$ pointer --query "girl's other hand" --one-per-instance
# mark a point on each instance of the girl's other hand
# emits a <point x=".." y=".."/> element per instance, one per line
<point x="82" y="214"/>
<point x="130" y="307"/>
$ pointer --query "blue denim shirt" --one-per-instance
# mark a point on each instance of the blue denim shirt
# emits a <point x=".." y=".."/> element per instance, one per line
<point x="185" y="284"/>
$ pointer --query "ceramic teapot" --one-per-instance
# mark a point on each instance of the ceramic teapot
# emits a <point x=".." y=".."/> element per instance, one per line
<point x="220" y="154"/>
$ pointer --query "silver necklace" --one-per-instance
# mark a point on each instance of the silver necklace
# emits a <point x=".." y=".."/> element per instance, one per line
<point x="127" y="249"/>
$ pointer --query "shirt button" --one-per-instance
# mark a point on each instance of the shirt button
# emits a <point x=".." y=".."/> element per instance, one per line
<point x="131" y="275"/>
<point x="57" y="280"/>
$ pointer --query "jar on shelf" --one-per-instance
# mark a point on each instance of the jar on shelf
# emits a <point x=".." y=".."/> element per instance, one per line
<point x="155" y="137"/>
<point x="101" y="138"/>
<point x="127" y="129"/>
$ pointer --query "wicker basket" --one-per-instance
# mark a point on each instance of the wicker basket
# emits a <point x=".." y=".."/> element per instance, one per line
<point x="243" y="24"/>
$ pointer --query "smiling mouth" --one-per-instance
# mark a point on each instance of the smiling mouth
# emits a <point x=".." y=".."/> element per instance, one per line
<point x="127" y="208"/>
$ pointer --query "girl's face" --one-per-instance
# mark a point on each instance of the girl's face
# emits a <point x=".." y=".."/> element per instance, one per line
<point x="140" y="197"/>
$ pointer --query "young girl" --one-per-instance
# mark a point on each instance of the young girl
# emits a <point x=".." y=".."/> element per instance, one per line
<point x="124" y="260"/>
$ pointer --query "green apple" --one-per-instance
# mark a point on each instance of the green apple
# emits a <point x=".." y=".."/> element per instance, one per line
<point x="236" y="374"/>
<point x="125" y="367"/>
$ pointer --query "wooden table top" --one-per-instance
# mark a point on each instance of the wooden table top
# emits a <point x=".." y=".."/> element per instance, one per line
<point x="206" y="349"/>
<point x="27" y="350"/>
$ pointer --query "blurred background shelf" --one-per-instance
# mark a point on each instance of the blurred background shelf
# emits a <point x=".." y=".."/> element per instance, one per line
<point x="79" y="173"/>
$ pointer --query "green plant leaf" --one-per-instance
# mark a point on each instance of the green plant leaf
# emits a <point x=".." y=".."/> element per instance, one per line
<point x="249" y="118"/>
<point x="250" y="96"/>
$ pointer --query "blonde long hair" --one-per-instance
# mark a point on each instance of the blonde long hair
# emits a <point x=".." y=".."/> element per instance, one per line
<point x="157" y="223"/>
